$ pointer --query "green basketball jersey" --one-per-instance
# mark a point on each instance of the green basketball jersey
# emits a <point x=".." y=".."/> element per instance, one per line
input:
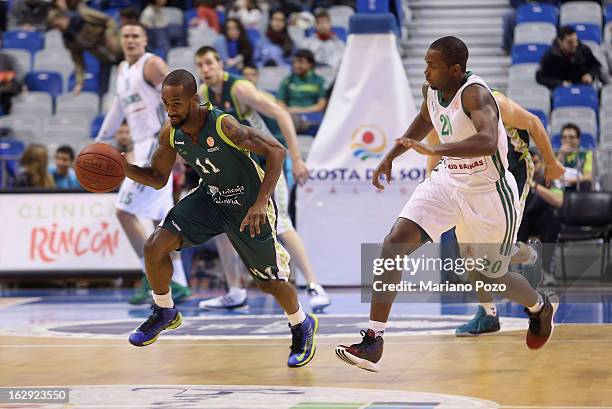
<point x="227" y="172"/>
<point x="227" y="100"/>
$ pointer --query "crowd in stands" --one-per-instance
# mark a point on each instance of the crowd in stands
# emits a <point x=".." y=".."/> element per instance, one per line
<point x="56" y="53"/>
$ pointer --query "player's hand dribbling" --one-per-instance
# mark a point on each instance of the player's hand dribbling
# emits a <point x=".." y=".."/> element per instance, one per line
<point x="255" y="217"/>
<point x="300" y="171"/>
<point x="383" y="168"/>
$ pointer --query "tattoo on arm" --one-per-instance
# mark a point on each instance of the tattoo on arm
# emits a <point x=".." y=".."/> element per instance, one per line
<point x="248" y="138"/>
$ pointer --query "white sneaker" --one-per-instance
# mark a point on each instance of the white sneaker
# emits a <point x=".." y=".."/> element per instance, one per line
<point x="230" y="301"/>
<point x="318" y="297"/>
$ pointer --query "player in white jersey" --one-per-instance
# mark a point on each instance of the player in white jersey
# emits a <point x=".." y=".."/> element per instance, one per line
<point x="137" y="100"/>
<point x="471" y="190"/>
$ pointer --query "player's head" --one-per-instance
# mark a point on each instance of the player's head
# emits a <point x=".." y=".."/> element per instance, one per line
<point x="303" y="62"/>
<point x="250" y="73"/>
<point x="64" y="156"/>
<point x="209" y="65"/>
<point x="446" y="62"/>
<point x="179" y="96"/>
<point x="133" y="40"/>
<point x="568" y="40"/>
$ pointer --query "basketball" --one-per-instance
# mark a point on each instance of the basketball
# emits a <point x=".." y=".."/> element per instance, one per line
<point x="99" y="168"/>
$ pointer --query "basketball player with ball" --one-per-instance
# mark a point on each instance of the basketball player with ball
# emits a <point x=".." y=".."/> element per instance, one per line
<point x="137" y="100"/>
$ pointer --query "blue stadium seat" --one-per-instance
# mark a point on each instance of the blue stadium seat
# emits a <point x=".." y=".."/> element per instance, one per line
<point x="221" y="16"/>
<point x="122" y="3"/>
<point x="92" y="64"/>
<point x="96" y="124"/>
<point x="588" y="32"/>
<point x="315" y="118"/>
<point x="10" y="152"/>
<point x="45" y="81"/>
<point x="27" y="40"/>
<point x="608" y="13"/>
<point x="576" y="96"/>
<point x="528" y="53"/>
<point x="537" y="13"/>
<point x="254" y="36"/>
<point x="587" y="141"/>
<point x="541" y="115"/>
<point x="91" y="84"/>
<point x="188" y="15"/>
<point x="114" y="13"/>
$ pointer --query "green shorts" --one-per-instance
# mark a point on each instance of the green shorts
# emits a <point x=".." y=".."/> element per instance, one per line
<point x="197" y="219"/>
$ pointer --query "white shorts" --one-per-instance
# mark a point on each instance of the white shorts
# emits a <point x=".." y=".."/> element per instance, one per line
<point x="281" y="198"/>
<point x="486" y="222"/>
<point x="144" y="201"/>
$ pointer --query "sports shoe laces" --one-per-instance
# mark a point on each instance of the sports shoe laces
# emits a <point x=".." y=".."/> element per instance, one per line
<point x="296" y="339"/>
<point x="154" y="319"/>
<point x="367" y="339"/>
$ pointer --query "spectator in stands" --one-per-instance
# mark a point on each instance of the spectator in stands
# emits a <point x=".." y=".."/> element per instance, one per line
<point x="88" y="30"/>
<point x="276" y="47"/>
<point x="509" y="21"/>
<point x="156" y="23"/>
<point x="30" y="14"/>
<point x="248" y="12"/>
<point x="206" y="15"/>
<point x="11" y="80"/>
<point x="234" y="46"/>
<point x="128" y="15"/>
<point x="539" y="216"/>
<point x="303" y="91"/>
<point x="62" y="173"/>
<point x="324" y="44"/>
<point x="578" y="163"/>
<point x="34" y="171"/>
<point x="567" y="62"/>
<point x="123" y="139"/>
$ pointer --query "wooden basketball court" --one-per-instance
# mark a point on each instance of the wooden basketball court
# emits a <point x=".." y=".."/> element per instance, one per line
<point x="573" y="370"/>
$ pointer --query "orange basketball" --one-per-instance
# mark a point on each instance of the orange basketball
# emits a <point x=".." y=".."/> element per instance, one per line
<point x="99" y="168"/>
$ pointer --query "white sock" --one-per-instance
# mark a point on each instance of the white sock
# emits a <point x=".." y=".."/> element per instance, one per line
<point x="164" y="300"/>
<point x="378" y="327"/>
<point x="537" y="306"/>
<point x="178" y="276"/>
<point x="489" y="308"/>
<point x="237" y="292"/>
<point x="297" y="317"/>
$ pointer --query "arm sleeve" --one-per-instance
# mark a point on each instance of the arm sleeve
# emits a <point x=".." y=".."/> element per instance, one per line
<point x="112" y="122"/>
<point x="587" y="166"/>
<point x="545" y="75"/>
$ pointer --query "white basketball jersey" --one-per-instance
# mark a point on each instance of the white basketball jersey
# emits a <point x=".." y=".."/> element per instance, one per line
<point x="141" y="104"/>
<point x="453" y="125"/>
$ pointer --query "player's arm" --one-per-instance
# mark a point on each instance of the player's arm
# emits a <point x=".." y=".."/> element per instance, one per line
<point x="261" y="144"/>
<point x="249" y="95"/>
<point x="518" y="117"/>
<point x="481" y="108"/>
<point x="157" y="173"/>
<point x="432" y="139"/>
<point x="155" y="70"/>
<point x="418" y="129"/>
<point x="112" y="121"/>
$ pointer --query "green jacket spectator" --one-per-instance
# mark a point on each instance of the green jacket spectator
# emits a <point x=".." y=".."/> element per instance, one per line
<point x="303" y="91"/>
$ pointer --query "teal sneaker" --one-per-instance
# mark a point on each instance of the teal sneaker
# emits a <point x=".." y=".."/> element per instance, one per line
<point x="480" y="324"/>
<point x="179" y="293"/>
<point x="142" y="295"/>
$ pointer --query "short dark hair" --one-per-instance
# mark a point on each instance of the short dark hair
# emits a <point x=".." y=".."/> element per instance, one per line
<point x="454" y="51"/>
<point x="208" y="49"/>
<point x="136" y="23"/>
<point x="182" y="78"/>
<point x="319" y="13"/>
<point x="67" y="150"/>
<point x="565" y="31"/>
<point x="305" y="54"/>
<point x="573" y="126"/>
<point x="130" y="14"/>
<point x="249" y="65"/>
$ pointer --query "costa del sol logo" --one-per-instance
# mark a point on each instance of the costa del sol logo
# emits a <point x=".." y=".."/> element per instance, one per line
<point x="368" y="142"/>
